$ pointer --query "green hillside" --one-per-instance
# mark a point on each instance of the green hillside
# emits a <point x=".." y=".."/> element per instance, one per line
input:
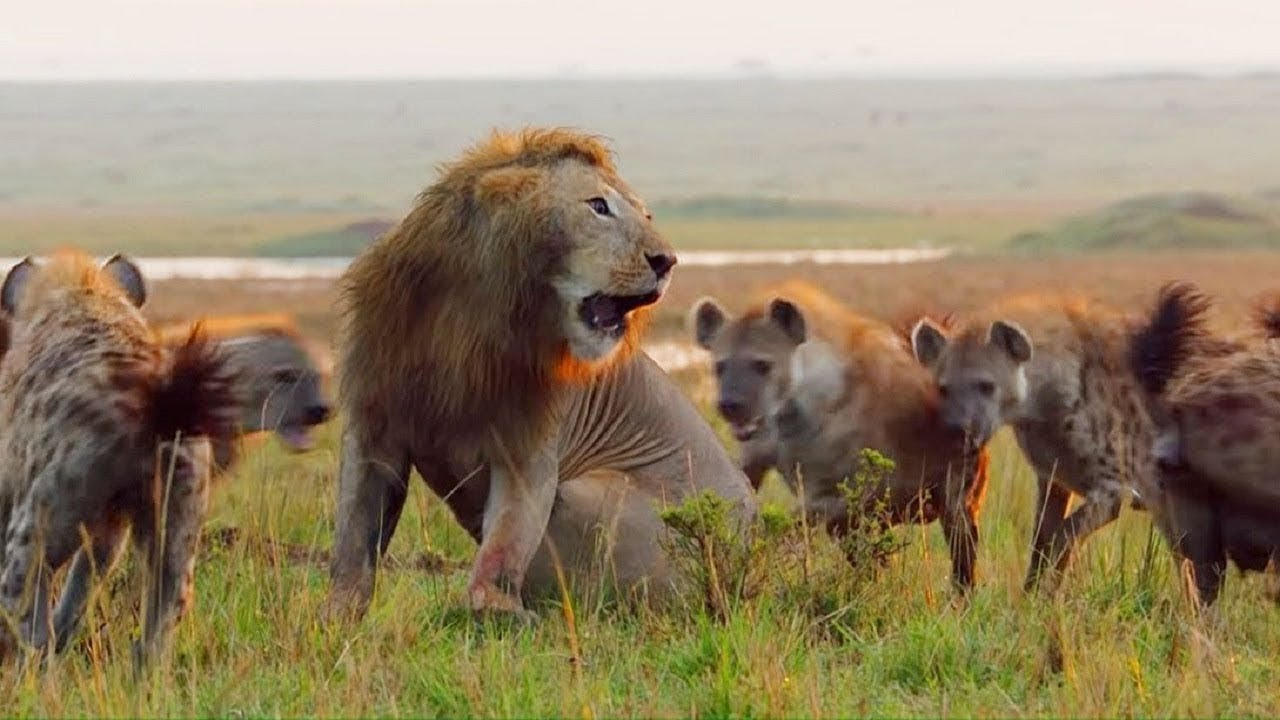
<point x="1162" y="221"/>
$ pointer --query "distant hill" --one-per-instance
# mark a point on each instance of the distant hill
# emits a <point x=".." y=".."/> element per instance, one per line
<point x="341" y="242"/>
<point x="1162" y="221"/>
<point x="747" y="207"/>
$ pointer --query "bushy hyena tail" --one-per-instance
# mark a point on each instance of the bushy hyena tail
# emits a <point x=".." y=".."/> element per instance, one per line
<point x="1160" y="346"/>
<point x="197" y="392"/>
<point x="1267" y="315"/>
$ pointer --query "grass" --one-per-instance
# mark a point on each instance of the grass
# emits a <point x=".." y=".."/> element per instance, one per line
<point x="1120" y="641"/>
<point x="1161" y="222"/>
<point x="169" y="234"/>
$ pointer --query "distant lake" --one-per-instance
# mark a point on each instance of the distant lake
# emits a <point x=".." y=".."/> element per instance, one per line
<point x="322" y="268"/>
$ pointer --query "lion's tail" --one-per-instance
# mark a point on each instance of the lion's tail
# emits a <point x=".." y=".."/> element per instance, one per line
<point x="1159" y="347"/>
<point x="196" y="394"/>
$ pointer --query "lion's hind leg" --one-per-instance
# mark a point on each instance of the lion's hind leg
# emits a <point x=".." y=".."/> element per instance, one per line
<point x="604" y="538"/>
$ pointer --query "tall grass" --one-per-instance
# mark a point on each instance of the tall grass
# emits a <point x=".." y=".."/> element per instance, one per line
<point x="1120" y="640"/>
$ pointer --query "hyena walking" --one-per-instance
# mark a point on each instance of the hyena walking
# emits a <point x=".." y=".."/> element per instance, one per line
<point x="1056" y="370"/>
<point x="101" y="429"/>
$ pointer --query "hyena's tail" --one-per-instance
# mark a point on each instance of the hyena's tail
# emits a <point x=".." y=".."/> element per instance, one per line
<point x="197" y="392"/>
<point x="1159" y="346"/>
<point x="1266" y="314"/>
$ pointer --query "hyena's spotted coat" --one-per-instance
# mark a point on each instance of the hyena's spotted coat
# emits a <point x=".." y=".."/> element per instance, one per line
<point x="101" y="428"/>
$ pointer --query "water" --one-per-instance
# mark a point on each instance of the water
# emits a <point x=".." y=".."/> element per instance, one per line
<point x="328" y="268"/>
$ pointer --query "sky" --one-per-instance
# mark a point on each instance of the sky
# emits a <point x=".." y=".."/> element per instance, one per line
<point x="273" y="39"/>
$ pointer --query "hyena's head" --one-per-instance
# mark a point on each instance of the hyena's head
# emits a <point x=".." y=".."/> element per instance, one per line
<point x="981" y="373"/>
<point x="752" y="356"/>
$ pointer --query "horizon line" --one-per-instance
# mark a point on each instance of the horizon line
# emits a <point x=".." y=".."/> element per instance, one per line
<point x="1075" y="71"/>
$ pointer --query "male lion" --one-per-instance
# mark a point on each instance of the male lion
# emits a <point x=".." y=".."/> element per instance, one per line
<point x="491" y="342"/>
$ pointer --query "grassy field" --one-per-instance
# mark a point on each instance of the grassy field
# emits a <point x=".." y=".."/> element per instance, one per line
<point x="818" y="639"/>
<point x="201" y="168"/>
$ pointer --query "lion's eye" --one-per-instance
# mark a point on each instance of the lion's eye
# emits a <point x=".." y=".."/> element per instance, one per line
<point x="762" y="367"/>
<point x="720" y="367"/>
<point x="987" y="388"/>
<point x="600" y="206"/>
<point x="943" y="390"/>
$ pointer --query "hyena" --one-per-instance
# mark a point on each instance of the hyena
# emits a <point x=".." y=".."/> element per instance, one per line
<point x="752" y="354"/>
<point x="866" y="391"/>
<point x="101" y="429"/>
<point x="1216" y="403"/>
<point x="278" y="381"/>
<point x="1056" y="370"/>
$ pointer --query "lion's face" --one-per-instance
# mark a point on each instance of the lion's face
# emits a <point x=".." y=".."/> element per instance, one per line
<point x="616" y="261"/>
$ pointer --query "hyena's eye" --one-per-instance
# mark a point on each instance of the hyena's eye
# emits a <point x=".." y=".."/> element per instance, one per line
<point x="600" y="206"/>
<point x="286" y="377"/>
<point x="720" y="367"/>
<point x="943" y="390"/>
<point x="986" y="388"/>
<point x="761" y="367"/>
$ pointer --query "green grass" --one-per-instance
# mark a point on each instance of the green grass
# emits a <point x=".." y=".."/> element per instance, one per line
<point x="1121" y="640"/>
<point x="1162" y="222"/>
<point x="163" y="233"/>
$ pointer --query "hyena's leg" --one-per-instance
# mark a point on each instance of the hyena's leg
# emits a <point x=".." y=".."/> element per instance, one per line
<point x="1051" y="510"/>
<point x="372" y="487"/>
<point x="1193" y="529"/>
<point x="757" y="458"/>
<point x="183" y="476"/>
<point x="89" y="564"/>
<point x="1098" y="509"/>
<point x="960" y="525"/>
<point x="37" y="542"/>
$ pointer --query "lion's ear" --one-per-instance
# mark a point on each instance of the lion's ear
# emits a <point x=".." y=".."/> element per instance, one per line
<point x="507" y="185"/>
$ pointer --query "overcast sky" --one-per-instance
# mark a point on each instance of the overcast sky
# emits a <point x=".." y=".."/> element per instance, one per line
<point x="89" y="39"/>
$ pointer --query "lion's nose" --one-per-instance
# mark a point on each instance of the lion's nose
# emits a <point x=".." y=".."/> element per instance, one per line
<point x="661" y="263"/>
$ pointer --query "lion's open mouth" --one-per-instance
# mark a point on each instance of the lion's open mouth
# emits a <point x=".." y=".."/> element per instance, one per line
<point x="607" y="314"/>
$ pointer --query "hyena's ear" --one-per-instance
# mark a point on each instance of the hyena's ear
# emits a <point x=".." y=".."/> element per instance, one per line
<point x="15" y="282"/>
<point x="787" y="316"/>
<point x="706" y="320"/>
<point x="1012" y="339"/>
<point x="128" y="277"/>
<point x="927" y="341"/>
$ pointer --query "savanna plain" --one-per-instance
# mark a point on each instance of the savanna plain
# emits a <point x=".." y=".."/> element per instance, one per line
<point x="966" y="165"/>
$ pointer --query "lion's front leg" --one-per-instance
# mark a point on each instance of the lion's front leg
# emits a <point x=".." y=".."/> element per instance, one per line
<point x="521" y="495"/>
<point x="372" y="487"/>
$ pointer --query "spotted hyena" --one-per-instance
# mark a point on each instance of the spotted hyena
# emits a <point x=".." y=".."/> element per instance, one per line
<point x="279" y="382"/>
<point x="1216" y="402"/>
<point x="751" y="355"/>
<point x="101" y="429"/>
<point x="1056" y="370"/>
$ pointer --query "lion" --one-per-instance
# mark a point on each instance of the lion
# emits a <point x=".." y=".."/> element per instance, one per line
<point x="491" y="342"/>
<point x="751" y="357"/>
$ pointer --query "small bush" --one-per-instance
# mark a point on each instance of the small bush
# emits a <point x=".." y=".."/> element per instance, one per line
<point x="728" y="559"/>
